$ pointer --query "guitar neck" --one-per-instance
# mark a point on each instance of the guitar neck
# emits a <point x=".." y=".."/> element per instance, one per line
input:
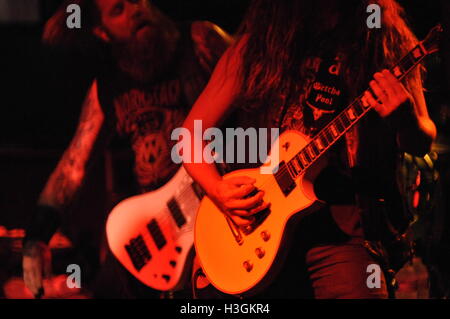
<point x="351" y="115"/>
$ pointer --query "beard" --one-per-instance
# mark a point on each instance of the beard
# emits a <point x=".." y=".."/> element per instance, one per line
<point x="147" y="54"/>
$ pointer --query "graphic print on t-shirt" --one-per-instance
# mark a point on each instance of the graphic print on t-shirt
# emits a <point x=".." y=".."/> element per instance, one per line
<point x="148" y="116"/>
<point x="321" y="98"/>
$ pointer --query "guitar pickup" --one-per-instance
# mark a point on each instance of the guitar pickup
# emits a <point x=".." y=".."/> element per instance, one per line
<point x="138" y="252"/>
<point x="284" y="179"/>
<point x="260" y="217"/>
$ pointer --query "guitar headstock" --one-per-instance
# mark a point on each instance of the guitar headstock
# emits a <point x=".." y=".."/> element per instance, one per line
<point x="431" y="42"/>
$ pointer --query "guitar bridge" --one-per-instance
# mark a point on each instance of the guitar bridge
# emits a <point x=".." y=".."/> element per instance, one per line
<point x="235" y="231"/>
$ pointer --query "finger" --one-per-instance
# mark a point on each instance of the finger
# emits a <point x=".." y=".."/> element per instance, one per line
<point x="240" y="212"/>
<point x="241" y="221"/>
<point x="242" y="191"/>
<point x="259" y="208"/>
<point x="370" y="100"/>
<point x="391" y="79"/>
<point x="387" y="86"/>
<point x="247" y="203"/>
<point x="377" y="90"/>
<point x="397" y="86"/>
<point x="242" y="180"/>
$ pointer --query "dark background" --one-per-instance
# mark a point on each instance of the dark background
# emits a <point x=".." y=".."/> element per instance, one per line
<point x="41" y="92"/>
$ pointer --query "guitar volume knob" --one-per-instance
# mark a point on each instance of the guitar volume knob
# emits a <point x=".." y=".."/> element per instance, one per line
<point x="265" y="235"/>
<point x="248" y="266"/>
<point x="260" y="252"/>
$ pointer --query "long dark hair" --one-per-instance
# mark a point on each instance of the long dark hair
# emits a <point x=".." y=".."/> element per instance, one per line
<point x="282" y="34"/>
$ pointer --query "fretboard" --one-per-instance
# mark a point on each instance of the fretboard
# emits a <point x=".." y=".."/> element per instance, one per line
<point x="329" y="135"/>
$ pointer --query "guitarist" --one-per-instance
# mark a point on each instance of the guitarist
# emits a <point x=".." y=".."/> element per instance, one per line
<point x="295" y="66"/>
<point x="153" y="70"/>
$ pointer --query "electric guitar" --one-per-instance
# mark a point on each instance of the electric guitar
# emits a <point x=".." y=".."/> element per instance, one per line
<point x="239" y="260"/>
<point x="152" y="234"/>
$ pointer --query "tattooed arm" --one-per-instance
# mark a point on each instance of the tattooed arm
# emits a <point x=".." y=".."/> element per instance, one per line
<point x="68" y="176"/>
<point x="60" y="191"/>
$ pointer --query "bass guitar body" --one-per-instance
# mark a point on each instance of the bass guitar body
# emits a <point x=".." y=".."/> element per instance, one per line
<point x="152" y="234"/>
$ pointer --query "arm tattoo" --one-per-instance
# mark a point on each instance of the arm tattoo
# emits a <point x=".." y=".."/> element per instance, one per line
<point x="68" y="176"/>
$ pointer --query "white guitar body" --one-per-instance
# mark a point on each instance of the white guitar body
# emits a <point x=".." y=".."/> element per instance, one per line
<point x="152" y="234"/>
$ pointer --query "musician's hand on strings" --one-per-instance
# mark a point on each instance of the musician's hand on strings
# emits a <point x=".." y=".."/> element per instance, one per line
<point x="236" y="198"/>
<point x="389" y="94"/>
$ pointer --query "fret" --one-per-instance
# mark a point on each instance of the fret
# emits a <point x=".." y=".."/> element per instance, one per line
<point x="315" y="149"/>
<point x="345" y="120"/>
<point x="417" y="53"/>
<point x="303" y="160"/>
<point x="324" y="141"/>
<point x="299" y="162"/>
<point x="364" y="104"/>
<point x="333" y="130"/>
<point x="409" y="60"/>
<point x="351" y="114"/>
<point x="296" y="164"/>
<point x="310" y="152"/>
<point x="296" y="168"/>
<point x="328" y="136"/>
<point x="339" y="125"/>
<point x="291" y="169"/>
<point x="358" y="108"/>
<point x="306" y="155"/>
<point x="406" y="63"/>
<point x="397" y="72"/>
<point x="320" y="143"/>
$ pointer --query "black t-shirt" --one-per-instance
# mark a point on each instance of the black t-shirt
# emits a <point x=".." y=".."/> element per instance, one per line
<point x="323" y="95"/>
<point x="145" y="114"/>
